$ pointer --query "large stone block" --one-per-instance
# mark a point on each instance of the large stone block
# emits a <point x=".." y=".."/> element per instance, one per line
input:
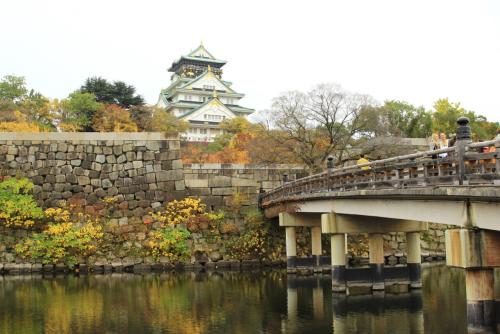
<point x="177" y="164"/>
<point x="76" y="162"/>
<point x="100" y="158"/>
<point x="83" y="180"/>
<point x="95" y="182"/>
<point x="107" y="150"/>
<point x="153" y="145"/>
<point x="219" y="181"/>
<point x="121" y="159"/>
<point x="223" y="191"/>
<point x="117" y="150"/>
<point x="61" y="178"/>
<point x="148" y="156"/>
<point x="196" y="183"/>
<point x="106" y="183"/>
<point x="239" y="182"/>
<point x="180" y="185"/>
<point x="128" y="147"/>
<point x="131" y="156"/>
<point x="12" y="150"/>
<point x="170" y="175"/>
<point x="110" y="159"/>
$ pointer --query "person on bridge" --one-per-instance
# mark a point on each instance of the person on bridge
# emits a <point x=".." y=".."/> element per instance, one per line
<point x="443" y="143"/>
<point x="363" y="160"/>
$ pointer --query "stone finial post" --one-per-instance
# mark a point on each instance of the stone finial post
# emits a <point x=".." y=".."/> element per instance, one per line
<point x="261" y="195"/>
<point x="329" y="163"/>
<point x="285" y="178"/>
<point x="329" y="169"/>
<point x="464" y="137"/>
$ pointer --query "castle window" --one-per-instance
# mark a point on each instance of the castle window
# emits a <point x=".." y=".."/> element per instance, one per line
<point x="208" y="87"/>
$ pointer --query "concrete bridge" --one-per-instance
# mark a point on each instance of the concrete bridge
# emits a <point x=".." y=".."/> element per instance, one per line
<point x="457" y="186"/>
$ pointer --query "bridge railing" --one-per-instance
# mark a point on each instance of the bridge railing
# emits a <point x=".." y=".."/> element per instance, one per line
<point x="467" y="163"/>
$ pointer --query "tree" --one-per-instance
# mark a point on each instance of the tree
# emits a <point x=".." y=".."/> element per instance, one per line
<point x="163" y="121"/>
<point x="263" y="148"/>
<point x="13" y="88"/>
<point x="77" y="111"/>
<point x="15" y="121"/>
<point x="124" y="95"/>
<point x="29" y="110"/>
<point x="445" y="117"/>
<point x="152" y="118"/>
<point x="118" y="92"/>
<point x="396" y="118"/>
<point x="316" y="124"/>
<point x="37" y="109"/>
<point x="113" y="118"/>
<point x="142" y="116"/>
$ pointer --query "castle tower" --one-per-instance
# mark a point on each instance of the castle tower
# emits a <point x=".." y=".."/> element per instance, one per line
<point x="198" y="95"/>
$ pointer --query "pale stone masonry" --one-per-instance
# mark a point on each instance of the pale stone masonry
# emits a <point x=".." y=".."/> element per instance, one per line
<point x="140" y="169"/>
<point x="217" y="183"/>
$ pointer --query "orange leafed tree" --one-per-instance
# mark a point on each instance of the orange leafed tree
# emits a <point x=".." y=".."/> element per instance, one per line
<point x="231" y="147"/>
<point x="15" y="121"/>
<point x="113" y="118"/>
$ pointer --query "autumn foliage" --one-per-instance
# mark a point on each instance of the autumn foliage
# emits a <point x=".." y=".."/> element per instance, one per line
<point x="242" y="142"/>
<point x="113" y="118"/>
<point x="231" y="147"/>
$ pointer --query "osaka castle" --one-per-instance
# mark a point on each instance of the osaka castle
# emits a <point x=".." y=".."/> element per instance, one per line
<point x="198" y="95"/>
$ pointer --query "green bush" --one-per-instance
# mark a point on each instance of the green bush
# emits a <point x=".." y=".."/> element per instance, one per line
<point x="67" y="238"/>
<point x="170" y="242"/>
<point x="17" y="206"/>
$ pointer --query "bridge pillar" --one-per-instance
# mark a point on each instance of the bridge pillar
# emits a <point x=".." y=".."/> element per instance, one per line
<point x="376" y="250"/>
<point x="338" y="257"/>
<point x="480" y="297"/>
<point x="478" y="251"/>
<point x="291" y="249"/>
<point x="414" y="261"/>
<point x="316" y="247"/>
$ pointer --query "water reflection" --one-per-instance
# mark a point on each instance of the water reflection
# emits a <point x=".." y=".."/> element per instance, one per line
<point x="378" y="313"/>
<point x="230" y="302"/>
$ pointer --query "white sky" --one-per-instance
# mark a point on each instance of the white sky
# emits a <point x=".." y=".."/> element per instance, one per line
<point x="416" y="51"/>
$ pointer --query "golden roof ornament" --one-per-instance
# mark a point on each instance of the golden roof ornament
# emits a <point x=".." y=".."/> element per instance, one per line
<point x="214" y="94"/>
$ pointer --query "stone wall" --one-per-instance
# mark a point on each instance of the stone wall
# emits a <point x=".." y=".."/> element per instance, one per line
<point x="142" y="169"/>
<point x="217" y="184"/>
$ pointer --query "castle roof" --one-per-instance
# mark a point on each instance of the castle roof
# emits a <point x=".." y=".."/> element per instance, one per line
<point x="200" y="54"/>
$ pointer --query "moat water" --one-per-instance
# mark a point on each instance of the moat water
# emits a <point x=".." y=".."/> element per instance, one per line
<point x="227" y="302"/>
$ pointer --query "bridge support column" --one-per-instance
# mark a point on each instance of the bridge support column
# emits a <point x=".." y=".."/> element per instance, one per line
<point x="480" y="297"/>
<point x="316" y="247"/>
<point x="338" y="262"/>
<point x="478" y="251"/>
<point x="414" y="259"/>
<point x="376" y="249"/>
<point x="291" y="249"/>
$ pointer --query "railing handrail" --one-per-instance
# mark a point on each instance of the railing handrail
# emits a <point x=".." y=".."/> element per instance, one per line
<point x="449" y="159"/>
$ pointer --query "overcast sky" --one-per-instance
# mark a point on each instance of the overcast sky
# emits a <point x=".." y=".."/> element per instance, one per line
<point x="417" y="51"/>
